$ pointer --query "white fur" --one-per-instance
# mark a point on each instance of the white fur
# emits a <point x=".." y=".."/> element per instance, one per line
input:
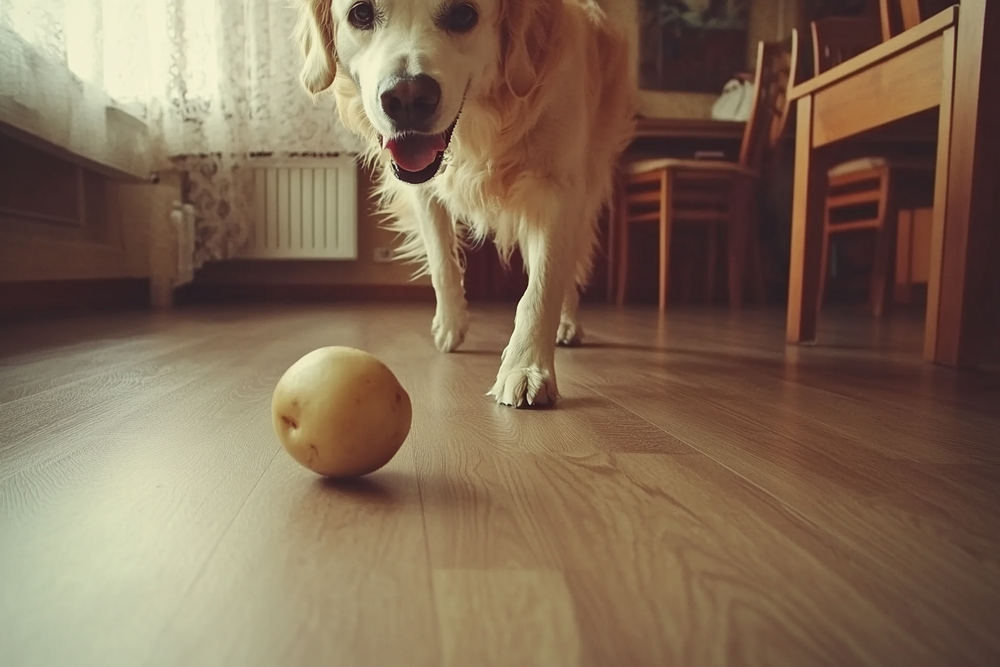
<point x="546" y="90"/>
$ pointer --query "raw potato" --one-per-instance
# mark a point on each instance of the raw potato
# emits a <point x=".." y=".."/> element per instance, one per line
<point x="341" y="412"/>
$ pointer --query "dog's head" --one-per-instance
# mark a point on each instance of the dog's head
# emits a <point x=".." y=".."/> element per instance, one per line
<point x="415" y="63"/>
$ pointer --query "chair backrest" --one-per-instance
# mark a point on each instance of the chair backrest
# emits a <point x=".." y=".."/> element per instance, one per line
<point x="900" y="15"/>
<point x="785" y="71"/>
<point x="800" y="69"/>
<point x="770" y="82"/>
<point x="839" y="38"/>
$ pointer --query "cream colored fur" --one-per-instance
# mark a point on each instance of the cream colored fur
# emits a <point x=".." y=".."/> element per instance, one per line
<point x="549" y="95"/>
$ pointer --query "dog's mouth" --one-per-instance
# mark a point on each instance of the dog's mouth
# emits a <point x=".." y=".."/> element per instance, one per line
<point x="416" y="158"/>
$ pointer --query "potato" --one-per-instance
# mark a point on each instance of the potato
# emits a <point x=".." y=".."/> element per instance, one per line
<point x="341" y="412"/>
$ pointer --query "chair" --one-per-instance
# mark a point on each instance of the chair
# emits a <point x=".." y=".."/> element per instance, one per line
<point x="897" y="16"/>
<point x="800" y="68"/>
<point x="865" y="194"/>
<point x="710" y="194"/>
<point x="900" y="15"/>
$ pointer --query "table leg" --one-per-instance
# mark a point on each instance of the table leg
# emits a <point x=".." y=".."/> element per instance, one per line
<point x="807" y="228"/>
<point x="964" y="207"/>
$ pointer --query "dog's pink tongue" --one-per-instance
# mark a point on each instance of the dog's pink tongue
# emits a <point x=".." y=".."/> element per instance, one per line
<point x="415" y="152"/>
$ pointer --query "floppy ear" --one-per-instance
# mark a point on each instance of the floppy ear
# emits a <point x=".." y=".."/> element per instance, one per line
<point x="526" y="35"/>
<point x="314" y="33"/>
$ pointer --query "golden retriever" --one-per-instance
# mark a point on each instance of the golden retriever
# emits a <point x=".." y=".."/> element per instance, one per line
<point x="487" y="119"/>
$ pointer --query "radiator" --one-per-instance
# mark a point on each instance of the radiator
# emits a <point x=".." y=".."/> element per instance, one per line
<point x="305" y="208"/>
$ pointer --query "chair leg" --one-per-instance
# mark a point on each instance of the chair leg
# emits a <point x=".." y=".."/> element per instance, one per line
<point x="615" y="220"/>
<point x="824" y="259"/>
<point x="882" y="269"/>
<point x="711" y="262"/>
<point x="622" y="233"/>
<point x="756" y="255"/>
<point x="883" y="265"/>
<point x="666" y="215"/>
<point x="738" y="223"/>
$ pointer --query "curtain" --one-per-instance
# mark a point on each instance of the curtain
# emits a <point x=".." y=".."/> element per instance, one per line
<point x="145" y="85"/>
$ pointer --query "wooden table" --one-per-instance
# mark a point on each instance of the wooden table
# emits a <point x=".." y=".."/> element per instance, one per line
<point x="697" y="128"/>
<point x="683" y="137"/>
<point x="948" y="62"/>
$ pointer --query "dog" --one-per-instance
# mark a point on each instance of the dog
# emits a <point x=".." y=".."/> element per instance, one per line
<point x="486" y="119"/>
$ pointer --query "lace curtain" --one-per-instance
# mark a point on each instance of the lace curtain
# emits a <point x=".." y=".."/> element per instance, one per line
<point x="214" y="81"/>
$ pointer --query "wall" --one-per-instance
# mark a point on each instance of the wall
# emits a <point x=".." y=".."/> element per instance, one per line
<point x="770" y="20"/>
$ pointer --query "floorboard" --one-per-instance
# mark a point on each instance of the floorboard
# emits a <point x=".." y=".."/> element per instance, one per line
<point x="704" y="495"/>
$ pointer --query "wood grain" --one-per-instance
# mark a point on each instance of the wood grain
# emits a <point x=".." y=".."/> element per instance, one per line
<point x="837" y="108"/>
<point x="702" y="496"/>
<point x="965" y="270"/>
<point x="808" y="202"/>
<point x="887" y="50"/>
<point x="535" y="608"/>
<point x="962" y="277"/>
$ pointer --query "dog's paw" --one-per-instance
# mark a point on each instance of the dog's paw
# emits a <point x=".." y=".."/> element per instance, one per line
<point x="570" y="333"/>
<point x="449" y="328"/>
<point x="518" y="387"/>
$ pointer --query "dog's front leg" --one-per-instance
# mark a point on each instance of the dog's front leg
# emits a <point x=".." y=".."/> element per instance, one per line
<point x="451" y="315"/>
<point x="527" y="370"/>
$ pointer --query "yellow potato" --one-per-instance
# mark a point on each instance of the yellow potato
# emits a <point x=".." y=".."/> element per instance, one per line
<point x="341" y="412"/>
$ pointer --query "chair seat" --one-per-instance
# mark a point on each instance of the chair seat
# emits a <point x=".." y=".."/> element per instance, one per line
<point x="873" y="162"/>
<point x="654" y="164"/>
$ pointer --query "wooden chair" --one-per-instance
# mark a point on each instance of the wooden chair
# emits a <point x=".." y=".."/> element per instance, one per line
<point x="865" y="194"/>
<point x="897" y="16"/>
<point x="712" y="194"/>
<point x="900" y="15"/>
<point x="800" y="68"/>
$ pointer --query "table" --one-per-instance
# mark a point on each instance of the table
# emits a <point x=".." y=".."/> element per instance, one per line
<point x="948" y="62"/>
<point x="683" y="137"/>
<point x="698" y="128"/>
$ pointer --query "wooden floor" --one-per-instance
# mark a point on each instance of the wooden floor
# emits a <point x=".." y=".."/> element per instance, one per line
<point x="703" y="496"/>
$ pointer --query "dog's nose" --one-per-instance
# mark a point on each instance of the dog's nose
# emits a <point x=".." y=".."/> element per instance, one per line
<point x="411" y="102"/>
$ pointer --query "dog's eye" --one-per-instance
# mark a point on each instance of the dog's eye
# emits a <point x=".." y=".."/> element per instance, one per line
<point x="362" y="16"/>
<point x="461" y="18"/>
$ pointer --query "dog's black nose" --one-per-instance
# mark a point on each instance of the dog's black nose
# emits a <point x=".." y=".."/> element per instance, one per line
<point x="411" y="102"/>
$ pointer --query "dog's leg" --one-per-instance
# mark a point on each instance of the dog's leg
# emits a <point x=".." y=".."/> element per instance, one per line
<point x="570" y="330"/>
<point x="451" y="314"/>
<point x="527" y="369"/>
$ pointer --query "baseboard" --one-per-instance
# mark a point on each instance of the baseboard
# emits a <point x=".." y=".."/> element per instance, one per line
<point x="215" y="293"/>
<point x="40" y="298"/>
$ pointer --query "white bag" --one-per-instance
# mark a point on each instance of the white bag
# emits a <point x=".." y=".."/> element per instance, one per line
<point x="735" y="101"/>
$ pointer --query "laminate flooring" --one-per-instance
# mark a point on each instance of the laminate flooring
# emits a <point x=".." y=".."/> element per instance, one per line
<point x="703" y="495"/>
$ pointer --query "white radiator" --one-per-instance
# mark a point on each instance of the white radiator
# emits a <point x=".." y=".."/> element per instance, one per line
<point x="305" y="208"/>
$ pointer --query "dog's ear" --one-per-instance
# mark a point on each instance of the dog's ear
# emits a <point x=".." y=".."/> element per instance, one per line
<point x="526" y="35"/>
<point x="314" y="34"/>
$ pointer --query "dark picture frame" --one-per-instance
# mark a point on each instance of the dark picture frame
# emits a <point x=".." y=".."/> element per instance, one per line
<point x="692" y="46"/>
